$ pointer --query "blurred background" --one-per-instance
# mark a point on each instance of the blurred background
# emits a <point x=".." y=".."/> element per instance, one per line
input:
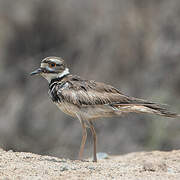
<point x="132" y="45"/>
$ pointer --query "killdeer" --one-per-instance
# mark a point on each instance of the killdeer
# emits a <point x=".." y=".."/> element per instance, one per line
<point x="88" y="100"/>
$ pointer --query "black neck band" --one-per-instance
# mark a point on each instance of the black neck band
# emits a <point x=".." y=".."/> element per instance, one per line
<point x="57" y="79"/>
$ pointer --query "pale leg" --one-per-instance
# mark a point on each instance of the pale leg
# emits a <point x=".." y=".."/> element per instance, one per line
<point x="83" y="141"/>
<point x="94" y="140"/>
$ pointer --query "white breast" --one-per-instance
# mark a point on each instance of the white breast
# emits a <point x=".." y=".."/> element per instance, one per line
<point x="88" y="112"/>
<point x="67" y="108"/>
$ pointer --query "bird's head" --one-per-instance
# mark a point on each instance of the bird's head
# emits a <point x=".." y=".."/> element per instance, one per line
<point x="52" y="68"/>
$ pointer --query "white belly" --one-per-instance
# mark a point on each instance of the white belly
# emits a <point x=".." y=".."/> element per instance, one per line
<point x="88" y="112"/>
<point x="67" y="108"/>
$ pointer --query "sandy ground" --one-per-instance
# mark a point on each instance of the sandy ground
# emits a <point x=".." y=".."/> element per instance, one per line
<point x="136" y="166"/>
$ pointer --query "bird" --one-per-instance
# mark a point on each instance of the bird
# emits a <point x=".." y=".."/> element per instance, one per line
<point x="89" y="100"/>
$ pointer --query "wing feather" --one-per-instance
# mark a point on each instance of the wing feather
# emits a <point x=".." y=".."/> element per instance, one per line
<point x="84" y="92"/>
<point x="88" y="93"/>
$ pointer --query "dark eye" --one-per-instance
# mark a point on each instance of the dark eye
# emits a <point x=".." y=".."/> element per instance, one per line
<point x="51" y="65"/>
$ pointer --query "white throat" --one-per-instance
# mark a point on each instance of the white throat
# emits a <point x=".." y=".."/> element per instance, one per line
<point x="51" y="76"/>
<point x="64" y="73"/>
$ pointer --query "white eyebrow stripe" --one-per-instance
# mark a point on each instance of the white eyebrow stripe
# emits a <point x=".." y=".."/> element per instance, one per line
<point x="54" y="61"/>
<point x="43" y="65"/>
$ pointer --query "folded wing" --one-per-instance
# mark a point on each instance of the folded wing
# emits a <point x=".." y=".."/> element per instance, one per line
<point x="90" y="93"/>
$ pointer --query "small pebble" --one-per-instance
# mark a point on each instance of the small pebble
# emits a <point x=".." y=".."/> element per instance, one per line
<point x="170" y="170"/>
<point x="102" y="155"/>
<point x="91" y="167"/>
<point x="148" y="167"/>
<point x="11" y="151"/>
<point x="64" y="168"/>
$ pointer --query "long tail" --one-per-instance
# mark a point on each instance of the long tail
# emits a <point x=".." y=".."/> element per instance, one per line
<point x="159" y="110"/>
<point x="142" y="106"/>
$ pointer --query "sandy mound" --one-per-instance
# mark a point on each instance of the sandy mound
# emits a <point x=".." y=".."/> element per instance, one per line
<point x="141" y="165"/>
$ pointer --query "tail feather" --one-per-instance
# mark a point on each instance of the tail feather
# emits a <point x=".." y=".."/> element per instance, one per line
<point x="157" y="109"/>
<point x="143" y="106"/>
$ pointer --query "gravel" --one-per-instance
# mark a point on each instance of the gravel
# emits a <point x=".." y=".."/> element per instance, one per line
<point x="141" y="165"/>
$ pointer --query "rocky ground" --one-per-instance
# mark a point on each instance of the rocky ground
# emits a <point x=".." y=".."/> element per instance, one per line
<point x="136" y="166"/>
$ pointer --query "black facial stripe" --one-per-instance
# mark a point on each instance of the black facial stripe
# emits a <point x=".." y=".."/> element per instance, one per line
<point x="44" y="70"/>
<point x="52" y="72"/>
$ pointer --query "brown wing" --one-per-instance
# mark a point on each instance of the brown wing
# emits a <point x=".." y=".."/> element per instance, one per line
<point x="84" y="92"/>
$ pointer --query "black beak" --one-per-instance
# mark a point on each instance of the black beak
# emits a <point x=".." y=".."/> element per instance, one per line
<point x="37" y="71"/>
